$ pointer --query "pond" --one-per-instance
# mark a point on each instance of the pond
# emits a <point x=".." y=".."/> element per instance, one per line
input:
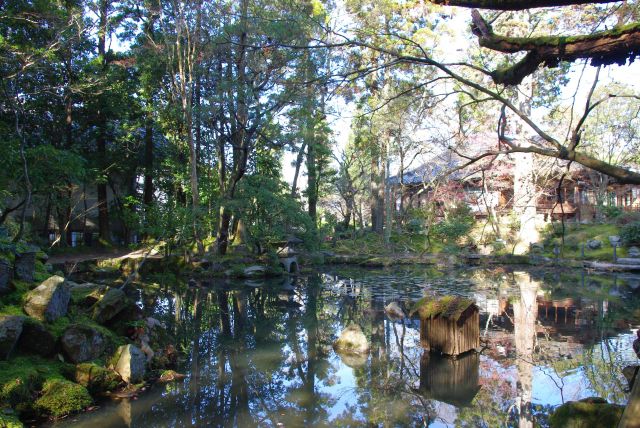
<point x="260" y="353"/>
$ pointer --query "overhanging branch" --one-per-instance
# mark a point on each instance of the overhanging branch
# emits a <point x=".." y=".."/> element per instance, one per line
<point x="515" y="4"/>
<point x="615" y="46"/>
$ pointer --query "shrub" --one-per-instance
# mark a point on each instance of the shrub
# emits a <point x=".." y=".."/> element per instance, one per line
<point x="629" y="217"/>
<point x="458" y="223"/>
<point x="611" y="212"/>
<point x="630" y="233"/>
<point x="572" y="242"/>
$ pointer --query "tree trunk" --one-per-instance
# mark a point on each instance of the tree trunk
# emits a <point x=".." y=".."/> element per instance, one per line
<point x="525" y="192"/>
<point x="299" y="158"/>
<point x="103" y="204"/>
<point x="312" y="190"/>
<point x="148" y="162"/>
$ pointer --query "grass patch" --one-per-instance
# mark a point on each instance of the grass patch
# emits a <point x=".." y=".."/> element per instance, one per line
<point x="372" y="243"/>
<point x="578" y="234"/>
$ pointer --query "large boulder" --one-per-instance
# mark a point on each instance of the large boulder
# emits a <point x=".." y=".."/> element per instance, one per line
<point x="87" y="294"/>
<point x="10" y="330"/>
<point x="25" y="265"/>
<point x="48" y="301"/>
<point x="5" y="277"/>
<point x="586" y="413"/>
<point x="594" y="244"/>
<point x="96" y="379"/>
<point x="36" y="339"/>
<point x="130" y="363"/>
<point x="634" y="252"/>
<point x="352" y="340"/>
<point x="82" y="343"/>
<point x="111" y="304"/>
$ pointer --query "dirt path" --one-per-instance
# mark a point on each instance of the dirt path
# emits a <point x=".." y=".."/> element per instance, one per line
<point x="90" y="254"/>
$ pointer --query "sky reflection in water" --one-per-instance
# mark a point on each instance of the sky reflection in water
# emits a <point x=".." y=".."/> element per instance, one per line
<point x="261" y="354"/>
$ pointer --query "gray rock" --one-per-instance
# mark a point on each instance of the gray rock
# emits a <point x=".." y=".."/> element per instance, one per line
<point x="537" y="247"/>
<point x="5" y="277"/>
<point x="634" y="252"/>
<point x="394" y="311"/>
<point x="36" y="339"/>
<point x="10" y="330"/>
<point x="594" y="244"/>
<point x="111" y="304"/>
<point x="25" y="265"/>
<point x="82" y="343"/>
<point x="48" y="301"/>
<point x="131" y="363"/>
<point x="352" y="340"/>
<point x="255" y="271"/>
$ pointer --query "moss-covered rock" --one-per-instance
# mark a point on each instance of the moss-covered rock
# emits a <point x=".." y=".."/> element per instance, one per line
<point x="61" y="397"/>
<point x="587" y="413"/>
<point x="36" y="339"/>
<point x="111" y="304"/>
<point x="87" y="294"/>
<point x="82" y="343"/>
<point x="96" y="379"/>
<point x="19" y="391"/>
<point x="48" y="301"/>
<point x="9" y="421"/>
<point x="22" y="378"/>
<point x="10" y="331"/>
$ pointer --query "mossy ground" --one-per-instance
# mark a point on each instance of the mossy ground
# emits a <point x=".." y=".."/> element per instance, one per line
<point x="61" y="397"/>
<point x="578" y="234"/>
<point x="9" y="421"/>
<point x="22" y="377"/>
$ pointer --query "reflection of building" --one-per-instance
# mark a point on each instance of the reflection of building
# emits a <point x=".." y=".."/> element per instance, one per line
<point x="452" y="381"/>
<point x="451" y="334"/>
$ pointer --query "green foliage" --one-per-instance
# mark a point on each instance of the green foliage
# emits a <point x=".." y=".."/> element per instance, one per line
<point x="628" y="217"/>
<point x="630" y="233"/>
<point x="270" y="213"/>
<point x="458" y="223"/>
<point x="610" y="212"/>
<point x="9" y="421"/>
<point x="61" y="397"/>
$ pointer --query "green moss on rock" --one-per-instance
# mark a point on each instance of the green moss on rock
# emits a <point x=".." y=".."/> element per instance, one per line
<point x="62" y="397"/>
<point x="22" y="377"/>
<point x="587" y="413"/>
<point x="9" y="421"/>
<point x="96" y="379"/>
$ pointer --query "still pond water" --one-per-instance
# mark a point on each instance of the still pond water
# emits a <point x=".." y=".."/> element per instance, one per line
<point x="260" y="354"/>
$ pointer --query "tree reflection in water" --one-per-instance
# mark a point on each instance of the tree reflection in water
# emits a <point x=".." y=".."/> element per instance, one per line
<point x="262" y="356"/>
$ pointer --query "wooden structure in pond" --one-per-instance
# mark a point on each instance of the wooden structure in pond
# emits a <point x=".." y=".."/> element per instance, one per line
<point x="450" y="380"/>
<point x="449" y="325"/>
